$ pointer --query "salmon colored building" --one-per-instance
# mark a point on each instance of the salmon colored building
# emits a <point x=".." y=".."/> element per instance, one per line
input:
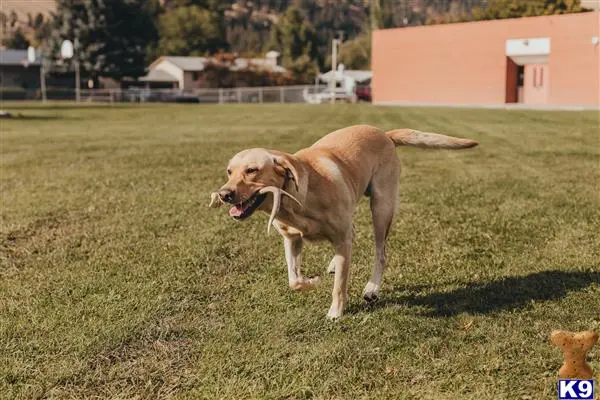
<point x="549" y="60"/>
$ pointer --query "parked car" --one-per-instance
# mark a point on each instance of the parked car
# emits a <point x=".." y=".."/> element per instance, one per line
<point x="186" y="98"/>
<point x="363" y="92"/>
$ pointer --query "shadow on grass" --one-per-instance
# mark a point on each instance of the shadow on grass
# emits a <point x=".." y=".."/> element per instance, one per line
<point x="488" y="297"/>
<point x="57" y="106"/>
<point x="21" y="117"/>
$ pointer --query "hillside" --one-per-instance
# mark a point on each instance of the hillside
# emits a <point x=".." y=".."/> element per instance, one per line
<point x="23" y="8"/>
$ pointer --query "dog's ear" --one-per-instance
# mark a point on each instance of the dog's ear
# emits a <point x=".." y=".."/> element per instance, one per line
<point x="285" y="166"/>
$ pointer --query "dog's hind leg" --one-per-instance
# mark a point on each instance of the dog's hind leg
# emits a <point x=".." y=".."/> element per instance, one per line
<point x="293" y="256"/>
<point x="383" y="208"/>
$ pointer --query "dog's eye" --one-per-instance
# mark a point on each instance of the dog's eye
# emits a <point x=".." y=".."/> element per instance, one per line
<point x="251" y="170"/>
<point x="228" y="172"/>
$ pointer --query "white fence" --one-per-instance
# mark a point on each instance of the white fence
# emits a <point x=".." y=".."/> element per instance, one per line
<point x="280" y="94"/>
<point x="269" y="94"/>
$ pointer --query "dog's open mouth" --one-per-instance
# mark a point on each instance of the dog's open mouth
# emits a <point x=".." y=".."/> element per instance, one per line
<point x="247" y="208"/>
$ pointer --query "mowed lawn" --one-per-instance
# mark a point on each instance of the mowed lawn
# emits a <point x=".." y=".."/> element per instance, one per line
<point x="117" y="281"/>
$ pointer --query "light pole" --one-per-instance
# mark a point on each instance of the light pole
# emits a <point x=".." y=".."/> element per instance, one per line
<point x="67" y="52"/>
<point x="333" y="80"/>
<point x="77" y="73"/>
<point x="31" y="56"/>
<point x="43" y="79"/>
<point x="334" y="52"/>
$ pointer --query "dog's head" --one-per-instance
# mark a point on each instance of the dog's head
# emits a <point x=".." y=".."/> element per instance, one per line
<point x="252" y="174"/>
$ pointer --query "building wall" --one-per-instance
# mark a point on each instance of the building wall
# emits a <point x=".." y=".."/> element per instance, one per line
<point x="466" y="63"/>
<point x="15" y="76"/>
<point x="188" y="80"/>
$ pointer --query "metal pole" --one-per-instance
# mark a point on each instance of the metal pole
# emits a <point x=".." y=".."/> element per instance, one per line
<point x="43" y="80"/>
<point x="260" y="95"/>
<point x="239" y="95"/>
<point x="220" y="95"/>
<point x="77" y="72"/>
<point x="281" y="95"/>
<point x="332" y="82"/>
<point x="77" y="80"/>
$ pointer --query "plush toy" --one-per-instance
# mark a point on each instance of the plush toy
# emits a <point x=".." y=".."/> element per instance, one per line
<point x="574" y="347"/>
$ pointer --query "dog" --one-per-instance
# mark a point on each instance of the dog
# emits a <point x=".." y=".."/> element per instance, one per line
<point x="312" y="195"/>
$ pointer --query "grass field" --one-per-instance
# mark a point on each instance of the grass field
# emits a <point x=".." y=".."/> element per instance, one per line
<point x="117" y="281"/>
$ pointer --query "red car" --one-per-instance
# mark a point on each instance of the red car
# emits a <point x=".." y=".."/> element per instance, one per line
<point x="363" y="92"/>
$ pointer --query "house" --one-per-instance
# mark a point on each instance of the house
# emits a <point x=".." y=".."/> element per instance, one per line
<point x="185" y="72"/>
<point x="16" y="72"/>
<point x="548" y="60"/>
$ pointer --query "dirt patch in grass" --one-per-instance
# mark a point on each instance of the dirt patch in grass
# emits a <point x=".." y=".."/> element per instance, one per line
<point x="40" y="236"/>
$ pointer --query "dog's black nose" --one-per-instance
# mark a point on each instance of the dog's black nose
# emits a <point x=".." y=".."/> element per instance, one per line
<point x="227" y="195"/>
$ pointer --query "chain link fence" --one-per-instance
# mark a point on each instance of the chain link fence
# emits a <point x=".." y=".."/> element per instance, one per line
<point x="279" y="94"/>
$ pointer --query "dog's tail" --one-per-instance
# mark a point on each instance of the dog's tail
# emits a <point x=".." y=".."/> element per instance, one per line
<point x="427" y="140"/>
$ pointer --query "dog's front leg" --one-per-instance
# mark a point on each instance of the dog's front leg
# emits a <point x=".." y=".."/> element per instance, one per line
<point x="293" y="256"/>
<point x="341" y="260"/>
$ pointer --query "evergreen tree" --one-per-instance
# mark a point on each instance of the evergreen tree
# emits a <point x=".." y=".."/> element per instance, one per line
<point x="295" y="38"/>
<point x="112" y="36"/>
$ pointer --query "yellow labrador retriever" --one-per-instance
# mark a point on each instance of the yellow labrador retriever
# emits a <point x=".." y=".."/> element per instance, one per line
<point x="314" y="193"/>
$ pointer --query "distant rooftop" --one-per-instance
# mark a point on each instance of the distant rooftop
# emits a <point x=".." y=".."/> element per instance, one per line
<point x="195" y="64"/>
<point x="357" y="75"/>
<point x="16" y="57"/>
<point x="185" y="63"/>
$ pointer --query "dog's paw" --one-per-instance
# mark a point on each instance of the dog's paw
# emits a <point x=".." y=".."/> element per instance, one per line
<point x="335" y="313"/>
<point x="304" y="284"/>
<point x="371" y="292"/>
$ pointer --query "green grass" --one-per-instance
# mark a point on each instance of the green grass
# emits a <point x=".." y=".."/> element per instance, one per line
<point x="117" y="280"/>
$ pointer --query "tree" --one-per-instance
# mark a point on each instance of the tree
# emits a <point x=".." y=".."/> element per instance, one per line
<point x="375" y="14"/>
<point x="189" y="31"/>
<point x="295" y="38"/>
<point x="206" y="4"/>
<point x="501" y="9"/>
<point x="113" y="35"/>
<point x="356" y="53"/>
<point x="17" y="41"/>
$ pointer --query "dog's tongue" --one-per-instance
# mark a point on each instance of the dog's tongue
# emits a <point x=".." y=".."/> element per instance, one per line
<point x="235" y="211"/>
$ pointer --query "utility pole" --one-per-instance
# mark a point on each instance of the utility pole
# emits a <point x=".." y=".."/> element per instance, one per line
<point x="77" y="72"/>
<point x="333" y="79"/>
<point x="32" y="55"/>
<point x="334" y="52"/>
<point x="43" y="79"/>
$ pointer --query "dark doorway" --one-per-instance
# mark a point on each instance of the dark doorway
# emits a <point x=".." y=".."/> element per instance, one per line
<point x="512" y="78"/>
